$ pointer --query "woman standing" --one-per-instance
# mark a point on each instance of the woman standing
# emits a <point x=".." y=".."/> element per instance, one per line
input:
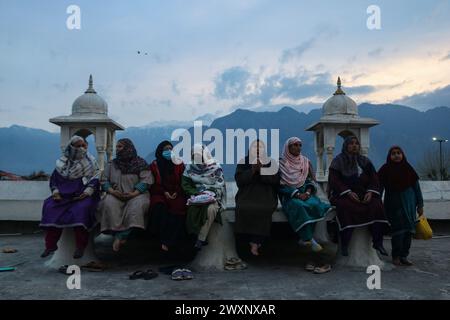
<point x="74" y="185"/>
<point x="355" y="191"/>
<point x="168" y="202"/>
<point x="257" y="197"/>
<point x="300" y="204"/>
<point x="204" y="183"/>
<point x="126" y="180"/>
<point x="402" y="199"/>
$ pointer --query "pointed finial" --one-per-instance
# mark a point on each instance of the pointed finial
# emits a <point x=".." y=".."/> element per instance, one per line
<point x="339" y="90"/>
<point x="91" y="86"/>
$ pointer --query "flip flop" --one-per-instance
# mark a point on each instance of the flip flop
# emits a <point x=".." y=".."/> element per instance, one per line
<point x="187" y="274"/>
<point x="177" y="275"/>
<point x="9" y="250"/>
<point x="150" y="274"/>
<point x="233" y="261"/>
<point x="233" y="267"/>
<point x="94" y="266"/>
<point x="137" y="275"/>
<point x="63" y="269"/>
<point x="323" y="269"/>
<point x="310" y="267"/>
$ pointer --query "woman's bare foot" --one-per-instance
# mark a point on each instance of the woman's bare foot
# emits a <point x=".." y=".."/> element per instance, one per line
<point x="254" y="248"/>
<point x="164" y="247"/>
<point x="117" y="244"/>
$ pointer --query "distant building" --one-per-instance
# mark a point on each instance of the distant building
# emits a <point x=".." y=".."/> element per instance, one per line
<point x="7" y="176"/>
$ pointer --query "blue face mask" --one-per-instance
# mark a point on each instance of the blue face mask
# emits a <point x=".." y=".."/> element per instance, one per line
<point x="167" y="154"/>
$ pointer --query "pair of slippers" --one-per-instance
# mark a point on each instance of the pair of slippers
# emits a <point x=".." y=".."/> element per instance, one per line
<point x="234" y="264"/>
<point x="318" y="270"/>
<point x="182" y="274"/>
<point x="146" y="275"/>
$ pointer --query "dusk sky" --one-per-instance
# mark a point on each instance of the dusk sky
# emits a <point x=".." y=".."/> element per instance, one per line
<point x="215" y="56"/>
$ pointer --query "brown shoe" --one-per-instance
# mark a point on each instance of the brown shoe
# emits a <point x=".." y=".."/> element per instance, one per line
<point x="396" y="262"/>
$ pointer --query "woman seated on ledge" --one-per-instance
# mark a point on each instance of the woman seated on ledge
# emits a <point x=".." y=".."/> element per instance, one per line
<point x="204" y="183"/>
<point x="125" y="180"/>
<point x="257" y="196"/>
<point x="355" y="191"/>
<point x="168" y="202"/>
<point x="297" y="191"/>
<point x="74" y="185"/>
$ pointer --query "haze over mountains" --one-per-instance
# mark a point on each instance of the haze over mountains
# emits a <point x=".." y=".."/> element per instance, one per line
<point x="26" y="150"/>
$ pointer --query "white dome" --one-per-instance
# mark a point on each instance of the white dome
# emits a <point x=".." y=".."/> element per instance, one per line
<point x="339" y="104"/>
<point x="90" y="102"/>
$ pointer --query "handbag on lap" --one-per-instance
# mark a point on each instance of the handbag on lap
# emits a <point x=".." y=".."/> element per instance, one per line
<point x="206" y="197"/>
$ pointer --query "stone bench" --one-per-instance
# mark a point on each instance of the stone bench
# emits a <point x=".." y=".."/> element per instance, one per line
<point x="22" y="201"/>
<point x="222" y="243"/>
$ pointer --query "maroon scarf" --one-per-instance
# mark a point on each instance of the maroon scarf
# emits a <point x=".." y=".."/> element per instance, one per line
<point x="397" y="176"/>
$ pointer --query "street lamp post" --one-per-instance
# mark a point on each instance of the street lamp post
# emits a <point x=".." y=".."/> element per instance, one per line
<point x="440" y="155"/>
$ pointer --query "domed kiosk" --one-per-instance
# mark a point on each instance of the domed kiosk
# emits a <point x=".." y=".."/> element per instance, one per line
<point x="339" y="117"/>
<point x="90" y="116"/>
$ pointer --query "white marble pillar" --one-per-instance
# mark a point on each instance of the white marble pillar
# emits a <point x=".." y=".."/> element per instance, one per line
<point x="100" y="146"/>
<point x="329" y="158"/>
<point x="64" y="137"/>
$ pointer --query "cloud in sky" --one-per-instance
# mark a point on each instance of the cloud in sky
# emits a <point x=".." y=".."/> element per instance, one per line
<point x="211" y="56"/>
<point x="436" y="98"/>
<point x="322" y="33"/>
<point x="375" y="53"/>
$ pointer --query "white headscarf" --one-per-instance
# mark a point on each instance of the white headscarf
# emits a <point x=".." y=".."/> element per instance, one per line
<point x="77" y="163"/>
<point x="206" y="173"/>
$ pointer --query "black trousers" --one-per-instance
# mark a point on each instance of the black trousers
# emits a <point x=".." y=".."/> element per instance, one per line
<point x="401" y="243"/>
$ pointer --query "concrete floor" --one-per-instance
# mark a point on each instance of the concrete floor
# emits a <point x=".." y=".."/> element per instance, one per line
<point x="277" y="274"/>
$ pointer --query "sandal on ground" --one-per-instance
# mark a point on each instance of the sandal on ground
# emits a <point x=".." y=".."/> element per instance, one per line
<point x="149" y="274"/>
<point x="310" y="267"/>
<point x="9" y="250"/>
<point x="94" y="266"/>
<point x="63" y="269"/>
<point x="323" y="269"/>
<point x="232" y="267"/>
<point x="137" y="275"/>
<point x="187" y="274"/>
<point x="233" y="261"/>
<point x="177" y="275"/>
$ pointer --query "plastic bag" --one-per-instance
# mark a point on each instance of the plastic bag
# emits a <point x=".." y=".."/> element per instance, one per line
<point x="423" y="229"/>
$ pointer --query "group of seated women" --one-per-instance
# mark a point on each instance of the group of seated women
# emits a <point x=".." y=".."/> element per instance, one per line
<point x="174" y="199"/>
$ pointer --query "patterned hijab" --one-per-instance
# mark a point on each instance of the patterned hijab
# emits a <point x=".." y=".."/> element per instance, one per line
<point x="351" y="165"/>
<point x="293" y="169"/>
<point x="77" y="162"/>
<point x="127" y="159"/>
<point x="397" y="176"/>
<point x="205" y="172"/>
